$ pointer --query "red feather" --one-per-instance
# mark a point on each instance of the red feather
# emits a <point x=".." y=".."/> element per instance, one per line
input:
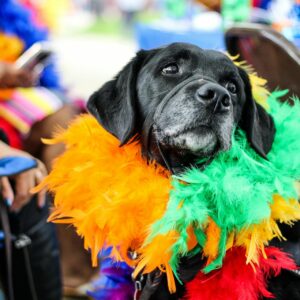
<point x="238" y="280"/>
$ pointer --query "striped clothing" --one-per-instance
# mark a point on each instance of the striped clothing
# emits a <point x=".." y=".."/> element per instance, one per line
<point x="29" y="105"/>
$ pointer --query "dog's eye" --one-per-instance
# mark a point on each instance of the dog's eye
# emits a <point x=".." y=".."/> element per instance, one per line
<point x="231" y="87"/>
<point x="170" y="69"/>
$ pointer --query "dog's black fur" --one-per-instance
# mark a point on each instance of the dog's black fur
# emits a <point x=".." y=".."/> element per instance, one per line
<point x="182" y="103"/>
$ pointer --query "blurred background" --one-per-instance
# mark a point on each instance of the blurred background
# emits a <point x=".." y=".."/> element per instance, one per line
<point x="95" y="38"/>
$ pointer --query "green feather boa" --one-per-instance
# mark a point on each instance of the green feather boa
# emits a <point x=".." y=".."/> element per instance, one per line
<point x="237" y="188"/>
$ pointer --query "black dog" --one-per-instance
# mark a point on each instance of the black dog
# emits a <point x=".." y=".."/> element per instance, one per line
<point x="182" y="103"/>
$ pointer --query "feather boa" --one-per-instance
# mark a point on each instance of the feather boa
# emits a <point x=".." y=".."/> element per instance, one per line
<point x="236" y="281"/>
<point x="114" y="198"/>
<point x="239" y="191"/>
<point x="106" y="206"/>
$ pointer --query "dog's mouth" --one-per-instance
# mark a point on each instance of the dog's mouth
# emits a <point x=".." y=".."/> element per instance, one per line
<point x="198" y="140"/>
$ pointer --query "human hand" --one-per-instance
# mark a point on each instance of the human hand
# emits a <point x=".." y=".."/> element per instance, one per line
<point x="23" y="182"/>
<point x="12" y="77"/>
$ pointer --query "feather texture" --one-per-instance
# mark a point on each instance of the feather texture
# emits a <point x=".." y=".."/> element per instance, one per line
<point x="104" y="190"/>
<point x="114" y="198"/>
<point x="236" y="191"/>
<point x="259" y="91"/>
<point x="238" y="280"/>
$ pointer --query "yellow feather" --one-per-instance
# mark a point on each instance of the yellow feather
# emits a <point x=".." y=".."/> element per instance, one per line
<point x="259" y="90"/>
<point x="257" y="236"/>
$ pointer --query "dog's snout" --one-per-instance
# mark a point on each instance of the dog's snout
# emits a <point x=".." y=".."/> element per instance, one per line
<point x="215" y="95"/>
<point x="206" y="92"/>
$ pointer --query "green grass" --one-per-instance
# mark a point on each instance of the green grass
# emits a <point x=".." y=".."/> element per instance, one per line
<point x="105" y="25"/>
<point x="113" y="25"/>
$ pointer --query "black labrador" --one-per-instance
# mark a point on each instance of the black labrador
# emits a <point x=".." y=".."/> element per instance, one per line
<point x="182" y="103"/>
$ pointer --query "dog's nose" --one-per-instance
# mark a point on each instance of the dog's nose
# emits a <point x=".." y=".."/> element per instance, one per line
<point x="215" y="95"/>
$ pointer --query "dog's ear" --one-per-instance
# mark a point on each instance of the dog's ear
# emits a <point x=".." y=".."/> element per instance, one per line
<point x="255" y="121"/>
<point x="114" y="104"/>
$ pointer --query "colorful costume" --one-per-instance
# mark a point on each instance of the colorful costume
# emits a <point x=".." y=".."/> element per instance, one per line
<point x="226" y="213"/>
<point x="22" y="107"/>
<point x="114" y="282"/>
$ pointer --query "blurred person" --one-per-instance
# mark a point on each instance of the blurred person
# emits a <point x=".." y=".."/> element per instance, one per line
<point x="27" y="214"/>
<point x="29" y="113"/>
<point x="31" y="107"/>
<point x="29" y="259"/>
<point x="12" y="77"/>
<point x="130" y="8"/>
<point x="20" y="195"/>
<point x="32" y="112"/>
<point x="96" y="7"/>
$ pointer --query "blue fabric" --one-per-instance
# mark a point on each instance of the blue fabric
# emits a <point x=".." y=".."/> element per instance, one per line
<point x="114" y="281"/>
<point x="11" y="166"/>
<point x="15" y="19"/>
<point x="149" y="37"/>
<point x="16" y="164"/>
<point x="265" y="4"/>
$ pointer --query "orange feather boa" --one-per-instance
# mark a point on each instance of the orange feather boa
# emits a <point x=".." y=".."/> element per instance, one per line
<point x="117" y="210"/>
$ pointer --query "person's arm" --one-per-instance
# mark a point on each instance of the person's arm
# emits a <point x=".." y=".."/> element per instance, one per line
<point x="24" y="182"/>
<point x="12" y="77"/>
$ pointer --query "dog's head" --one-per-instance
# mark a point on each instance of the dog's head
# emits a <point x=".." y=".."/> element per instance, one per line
<point x="183" y="103"/>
